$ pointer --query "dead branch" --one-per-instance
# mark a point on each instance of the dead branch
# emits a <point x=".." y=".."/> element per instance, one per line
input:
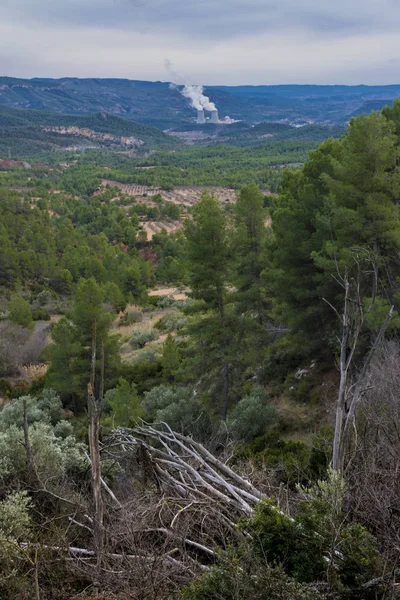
<point x="184" y="467"/>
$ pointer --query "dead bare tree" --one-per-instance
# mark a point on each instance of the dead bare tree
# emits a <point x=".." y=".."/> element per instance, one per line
<point x="352" y="386"/>
<point x="94" y="412"/>
<point x="373" y="474"/>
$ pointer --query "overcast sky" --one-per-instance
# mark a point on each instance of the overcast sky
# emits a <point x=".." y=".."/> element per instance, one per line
<point x="208" y="42"/>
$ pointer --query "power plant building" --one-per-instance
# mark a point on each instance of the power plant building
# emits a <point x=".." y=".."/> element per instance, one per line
<point x="214" y="116"/>
<point x="201" y="119"/>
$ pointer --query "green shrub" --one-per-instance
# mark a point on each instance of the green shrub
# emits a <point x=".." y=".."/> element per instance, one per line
<point x="145" y="355"/>
<point x="317" y="543"/>
<point x="162" y="396"/>
<point x="154" y="300"/>
<point x="294" y="462"/>
<point x="20" y="311"/>
<point x="140" y="338"/>
<point x="166" y="302"/>
<point x="47" y="408"/>
<point x="179" y="409"/>
<point x="44" y="298"/>
<point x="252" y="416"/>
<point x="123" y="401"/>
<point x="171" y="322"/>
<point x="187" y="417"/>
<point x="243" y="578"/>
<point x="40" y="314"/>
<point x="146" y="375"/>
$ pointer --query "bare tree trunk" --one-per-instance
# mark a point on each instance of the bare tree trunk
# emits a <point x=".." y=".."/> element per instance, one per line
<point x="341" y="400"/>
<point x="352" y="320"/>
<point x="94" y="410"/>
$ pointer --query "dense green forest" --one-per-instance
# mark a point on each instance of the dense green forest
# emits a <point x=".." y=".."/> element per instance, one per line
<point x="216" y="165"/>
<point x="233" y="435"/>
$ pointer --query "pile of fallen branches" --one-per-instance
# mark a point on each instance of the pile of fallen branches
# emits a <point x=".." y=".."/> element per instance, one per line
<point x="182" y="467"/>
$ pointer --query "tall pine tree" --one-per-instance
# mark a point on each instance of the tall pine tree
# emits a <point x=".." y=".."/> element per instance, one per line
<point x="209" y="261"/>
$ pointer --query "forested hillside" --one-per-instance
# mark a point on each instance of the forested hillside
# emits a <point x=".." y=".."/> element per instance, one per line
<point x="31" y="133"/>
<point x="209" y="412"/>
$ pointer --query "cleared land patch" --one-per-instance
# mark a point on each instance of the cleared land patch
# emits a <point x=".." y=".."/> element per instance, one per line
<point x="183" y="195"/>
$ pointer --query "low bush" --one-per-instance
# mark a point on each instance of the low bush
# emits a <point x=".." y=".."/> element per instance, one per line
<point x="140" y="338"/>
<point x="252" y="416"/>
<point x="293" y="462"/>
<point x="20" y="311"/>
<point x="173" y="321"/>
<point x="166" y="302"/>
<point x="178" y="408"/>
<point x="40" y="314"/>
<point x="243" y="578"/>
<point x="317" y="543"/>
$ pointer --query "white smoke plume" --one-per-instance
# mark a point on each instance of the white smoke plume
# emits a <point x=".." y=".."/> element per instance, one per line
<point x="193" y="92"/>
<point x="198" y="100"/>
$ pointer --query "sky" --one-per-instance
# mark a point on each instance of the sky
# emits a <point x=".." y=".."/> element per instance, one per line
<point x="209" y="42"/>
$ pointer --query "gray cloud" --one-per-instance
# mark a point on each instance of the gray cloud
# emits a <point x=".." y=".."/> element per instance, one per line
<point x="215" y="19"/>
<point x="211" y="41"/>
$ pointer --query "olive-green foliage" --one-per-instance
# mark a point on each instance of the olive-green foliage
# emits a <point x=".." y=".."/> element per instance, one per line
<point x="46" y="408"/>
<point x="317" y="543"/>
<point x="173" y="321"/>
<point x="130" y="317"/>
<point x="140" y="338"/>
<point x="252" y="416"/>
<point x="162" y="396"/>
<point x="172" y="267"/>
<point x="15" y="527"/>
<point x="20" y="311"/>
<point x="114" y="295"/>
<point x="146" y="354"/>
<point x="179" y="409"/>
<point x="55" y="450"/>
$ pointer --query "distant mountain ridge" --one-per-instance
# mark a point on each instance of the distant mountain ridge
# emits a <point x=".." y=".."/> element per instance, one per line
<point x="161" y="105"/>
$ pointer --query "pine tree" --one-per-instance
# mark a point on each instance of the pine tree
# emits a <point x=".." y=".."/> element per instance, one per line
<point x="170" y="359"/>
<point x="209" y="258"/>
<point x="340" y="206"/>
<point x="73" y="341"/>
<point x="62" y="355"/>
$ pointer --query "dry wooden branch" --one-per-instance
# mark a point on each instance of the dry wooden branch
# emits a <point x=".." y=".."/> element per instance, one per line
<point x="184" y="467"/>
